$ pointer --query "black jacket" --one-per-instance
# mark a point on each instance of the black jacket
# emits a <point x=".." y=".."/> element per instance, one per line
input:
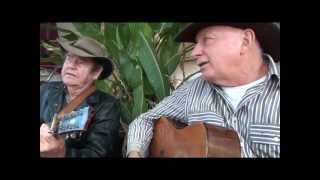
<point x="102" y="137"/>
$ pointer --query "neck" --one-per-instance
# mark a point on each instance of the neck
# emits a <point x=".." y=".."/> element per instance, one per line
<point x="253" y="70"/>
<point x="257" y="71"/>
<point x="75" y="91"/>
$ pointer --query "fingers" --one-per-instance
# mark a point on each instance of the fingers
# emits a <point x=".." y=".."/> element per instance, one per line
<point x="46" y="139"/>
<point x="44" y="127"/>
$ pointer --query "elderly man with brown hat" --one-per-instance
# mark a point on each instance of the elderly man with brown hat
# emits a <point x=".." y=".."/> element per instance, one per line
<point x="76" y="119"/>
<point x="239" y="88"/>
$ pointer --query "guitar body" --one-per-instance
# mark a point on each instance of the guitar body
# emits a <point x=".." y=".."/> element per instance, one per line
<point x="173" y="139"/>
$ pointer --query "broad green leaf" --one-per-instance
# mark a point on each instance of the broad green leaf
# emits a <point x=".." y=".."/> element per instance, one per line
<point x="102" y="86"/>
<point x="172" y="64"/>
<point x="148" y="91"/>
<point x="155" y="27"/>
<point x="138" y="101"/>
<point x="129" y="70"/>
<point x="169" y="57"/>
<point x="112" y="51"/>
<point x="90" y="29"/>
<point x="170" y="29"/>
<point x="138" y="97"/>
<point x="118" y="39"/>
<point x="150" y="65"/>
<point x="124" y="35"/>
<point x="125" y="111"/>
<point x="133" y="46"/>
<point x="110" y="32"/>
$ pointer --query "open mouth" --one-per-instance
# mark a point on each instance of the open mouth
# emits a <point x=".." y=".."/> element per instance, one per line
<point x="70" y="74"/>
<point x="203" y="63"/>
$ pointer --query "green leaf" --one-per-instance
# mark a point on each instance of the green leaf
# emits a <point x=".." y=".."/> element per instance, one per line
<point x="118" y="39"/>
<point x="172" y="64"/>
<point x="139" y="101"/>
<point x="151" y="67"/>
<point x="147" y="87"/>
<point x="91" y="30"/>
<point x="155" y="27"/>
<point x="125" y="111"/>
<point x="138" y="96"/>
<point x="102" y="86"/>
<point x="129" y="70"/>
<point x="112" y="51"/>
<point x="124" y="35"/>
<point x="110" y="32"/>
<point x="169" y="57"/>
<point x="170" y="29"/>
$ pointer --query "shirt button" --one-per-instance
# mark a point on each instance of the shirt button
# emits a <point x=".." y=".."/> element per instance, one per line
<point x="234" y="120"/>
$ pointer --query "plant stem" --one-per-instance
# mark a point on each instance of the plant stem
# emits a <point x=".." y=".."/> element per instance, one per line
<point x="184" y="80"/>
<point x="123" y="85"/>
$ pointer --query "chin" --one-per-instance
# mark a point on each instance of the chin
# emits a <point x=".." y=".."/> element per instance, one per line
<point x="69" y="82"/>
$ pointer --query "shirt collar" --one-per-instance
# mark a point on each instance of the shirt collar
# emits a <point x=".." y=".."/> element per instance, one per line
<point x="273" y="67"/>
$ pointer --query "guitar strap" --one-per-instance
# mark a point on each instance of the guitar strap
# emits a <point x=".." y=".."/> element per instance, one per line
<point x="70" y="107"/>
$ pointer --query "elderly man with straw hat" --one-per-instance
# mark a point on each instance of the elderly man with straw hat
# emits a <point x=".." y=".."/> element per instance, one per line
<point x="76" y="119"/>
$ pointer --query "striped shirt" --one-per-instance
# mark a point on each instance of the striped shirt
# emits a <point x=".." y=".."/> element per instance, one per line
<point x="256" y="118"/>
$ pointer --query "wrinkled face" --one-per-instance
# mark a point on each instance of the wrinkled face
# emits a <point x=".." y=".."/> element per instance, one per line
<point x="217" y="52"/>
<point x="78" y="71"/>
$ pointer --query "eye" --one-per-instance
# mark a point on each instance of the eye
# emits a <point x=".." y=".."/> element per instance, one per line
<point x="80" y="61"/>
<point x="208" y="39"/>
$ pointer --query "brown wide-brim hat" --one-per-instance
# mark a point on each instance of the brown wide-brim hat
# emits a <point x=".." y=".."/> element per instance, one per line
<point x="90" y="48"/>
<point x="268" y="34"/>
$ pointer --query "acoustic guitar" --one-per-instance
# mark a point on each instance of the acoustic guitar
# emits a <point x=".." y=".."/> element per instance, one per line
<point x="174" y="139"/>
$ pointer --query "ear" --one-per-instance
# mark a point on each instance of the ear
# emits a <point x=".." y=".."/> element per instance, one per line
<point x="97" y="73"/>
<point x="248" y="40"/>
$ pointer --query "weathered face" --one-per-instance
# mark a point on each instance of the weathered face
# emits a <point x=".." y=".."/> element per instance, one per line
<point x="78" y="71"/>
<point x="217" y="52"/>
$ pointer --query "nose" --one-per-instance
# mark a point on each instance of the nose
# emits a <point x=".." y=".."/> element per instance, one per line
<point x="197" y="51"/>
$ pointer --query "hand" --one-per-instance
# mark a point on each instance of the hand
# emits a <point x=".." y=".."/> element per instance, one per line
<point x="50" y="145"/>
<point x="134" y="154"/>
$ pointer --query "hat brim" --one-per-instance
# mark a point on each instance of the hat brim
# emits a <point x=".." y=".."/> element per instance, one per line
<point x="268" y="34"/>
<point x="105" y="62"/>
<point x="106" y="65"/>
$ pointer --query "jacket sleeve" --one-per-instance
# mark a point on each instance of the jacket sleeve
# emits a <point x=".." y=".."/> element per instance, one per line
<point x="102" y="138"/>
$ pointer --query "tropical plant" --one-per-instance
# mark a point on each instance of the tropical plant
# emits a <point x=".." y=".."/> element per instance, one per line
<point x="144" y="54"/>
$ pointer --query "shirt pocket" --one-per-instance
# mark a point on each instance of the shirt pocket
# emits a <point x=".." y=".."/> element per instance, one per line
<point x="207" y="117"/>
<point x="265" y="139"/>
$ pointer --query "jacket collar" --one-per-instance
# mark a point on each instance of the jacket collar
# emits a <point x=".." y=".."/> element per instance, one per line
<point x="91" y="100"/>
